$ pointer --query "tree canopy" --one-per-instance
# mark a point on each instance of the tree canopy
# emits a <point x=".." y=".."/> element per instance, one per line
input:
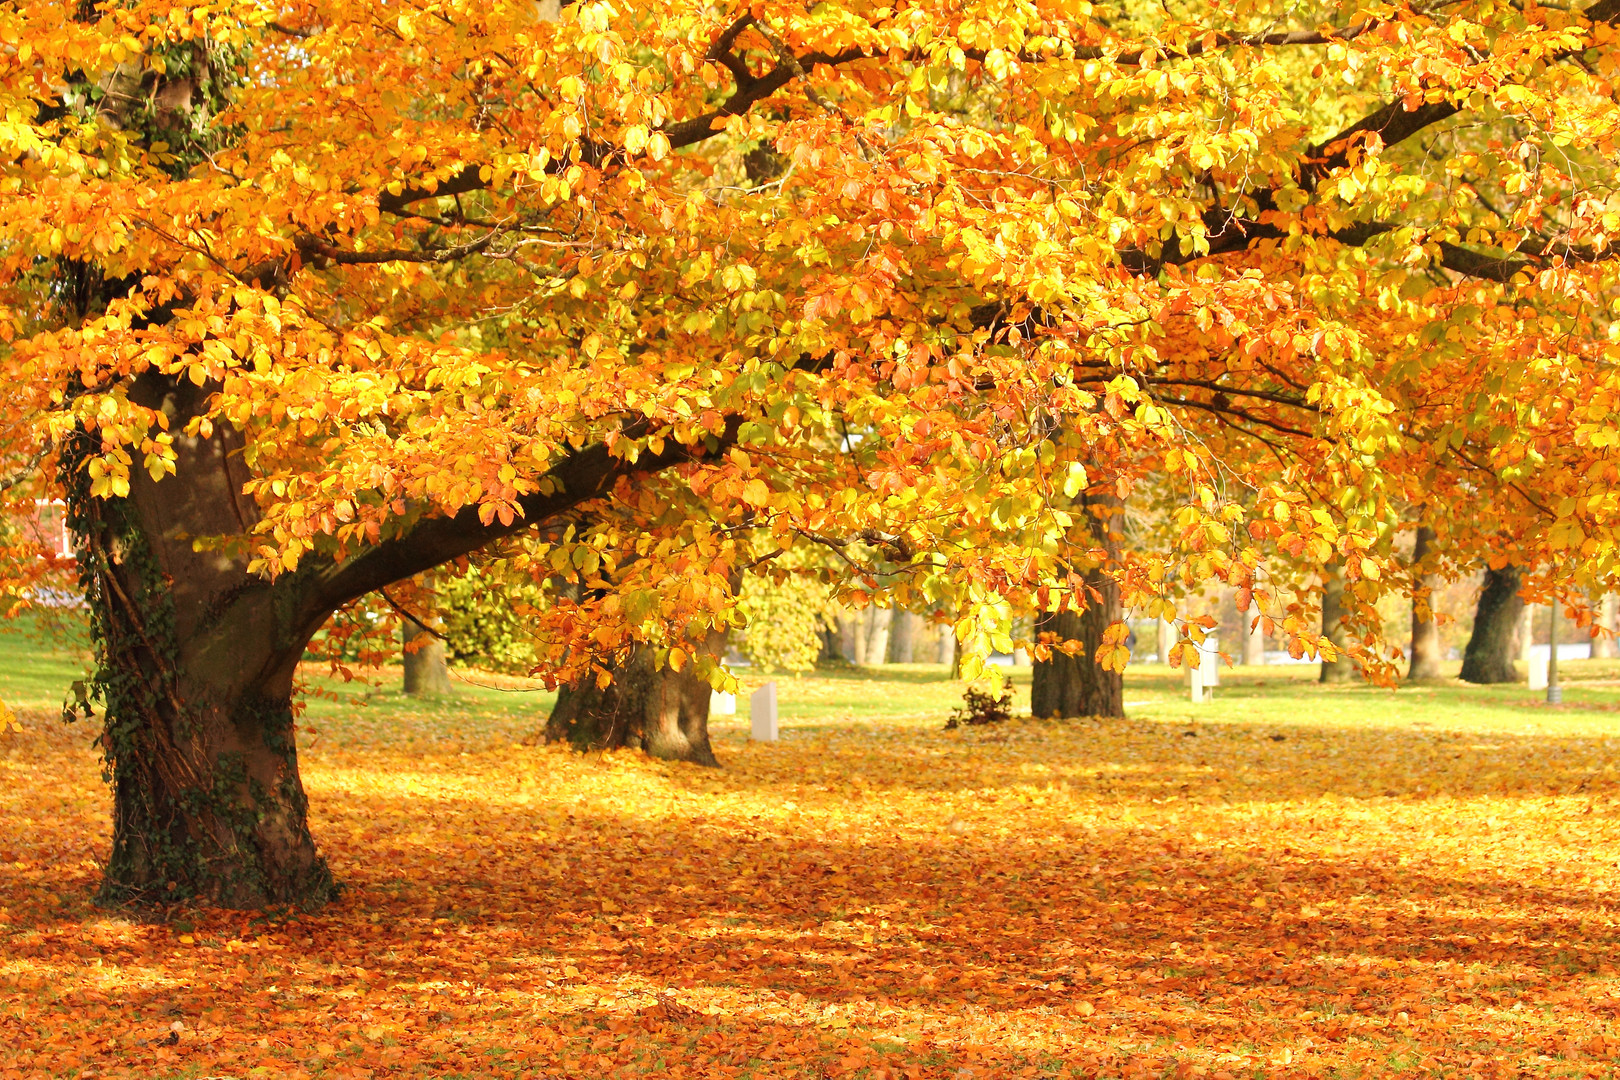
<point x="641" y="298"/>
<point x="914" y="274"/>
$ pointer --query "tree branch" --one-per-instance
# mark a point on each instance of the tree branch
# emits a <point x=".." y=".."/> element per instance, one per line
<point x="587" y="474"/>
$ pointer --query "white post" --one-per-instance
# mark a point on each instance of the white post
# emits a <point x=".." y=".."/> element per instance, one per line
<point x="762" y="713"/>
<point x="1209" y="662"/>
<point x="1538" y="671"/>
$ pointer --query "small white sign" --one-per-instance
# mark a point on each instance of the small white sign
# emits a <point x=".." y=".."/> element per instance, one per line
<point x="1209" y="662"/>
<point x="1538" y="671"/>
<point x="762" y="713"/>
<point x="722" y="704"/>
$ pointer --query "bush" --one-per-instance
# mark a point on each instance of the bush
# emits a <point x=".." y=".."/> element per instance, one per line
<point x="978" y="707"/>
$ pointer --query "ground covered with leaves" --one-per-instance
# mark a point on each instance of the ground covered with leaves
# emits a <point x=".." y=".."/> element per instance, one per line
<point x="1293" y="881"/>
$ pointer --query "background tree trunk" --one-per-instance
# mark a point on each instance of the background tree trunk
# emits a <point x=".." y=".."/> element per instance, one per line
<point x="903" y="637"/>
<point x="1425" y="659"/>
<point x="877" y="636"/>
<point x="664" y="712"/>
<point x="1524" y="633"/>
<point x="1343" y="669"/>
<point x="1254" y="636"/>
<point x="427" y="671"/>
<point x="1167" y="638"/>
<point x="1603" y="645"/>
<point x="947" y="645"/>
<point x="853" y="628"/>
<point x="849" y="634"/>
<point x="1489" y="656"/>
<point x="1077" y="685"/>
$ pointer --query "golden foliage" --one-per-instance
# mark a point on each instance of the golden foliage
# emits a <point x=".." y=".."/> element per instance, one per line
<point x="921" y="275"/>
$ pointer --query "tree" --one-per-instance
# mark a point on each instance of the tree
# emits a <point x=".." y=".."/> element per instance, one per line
<point x="1341" y="668"/>
<point x="1489" y="655"/>
<point x="1086" y="679"/>
<point x="1603" y="645"/>
<point x="1425" y="650"/>
<point x="646" y="704"/>
<point x="427" y="666"/>
<point x="301" y="303"/>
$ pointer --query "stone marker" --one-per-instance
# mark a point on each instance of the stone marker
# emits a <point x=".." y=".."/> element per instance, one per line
<point x="722" y="704"/>
<point x="1195" y="685"/>
<point x="1538" y="671"/>
<point x="1209" y="662"/>
<point x="762" y="713"/>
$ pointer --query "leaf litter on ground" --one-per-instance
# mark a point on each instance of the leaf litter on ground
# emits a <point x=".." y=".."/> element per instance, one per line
<point x="1399" y="886"/>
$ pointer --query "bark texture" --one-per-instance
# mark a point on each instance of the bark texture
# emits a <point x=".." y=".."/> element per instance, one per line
<point x="1065" y="685"/>
<point x="664" y="712"/>
<point x="195" y="670"/>
<point x="1342" y="669"/>
<point x="1425" y="651"/>
<point x="1489" y="656"/>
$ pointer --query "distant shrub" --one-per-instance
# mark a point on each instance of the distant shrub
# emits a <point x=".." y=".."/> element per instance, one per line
<point x="978" y="707"/>
<point x="786" y="608"/>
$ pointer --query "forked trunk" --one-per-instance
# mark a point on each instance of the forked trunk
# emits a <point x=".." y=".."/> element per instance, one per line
<point x="1065" y="685"/>
<point x="664" y="712"/>
<point x="1489" y="657"/>
<point x="196" y="657"/>
<point x="1425" y="631"/>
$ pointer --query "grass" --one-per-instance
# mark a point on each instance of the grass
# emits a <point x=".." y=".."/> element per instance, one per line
<point x="1292" y="880"/>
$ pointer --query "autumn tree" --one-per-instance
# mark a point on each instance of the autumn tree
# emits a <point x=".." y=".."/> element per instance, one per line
<point x="307" y="298"/>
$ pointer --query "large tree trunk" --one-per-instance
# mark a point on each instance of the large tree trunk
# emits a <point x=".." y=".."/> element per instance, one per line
<point x="1342" y="669"/>
<point x="195" y="662"/>
<point x="1489" y="656"/>
<point x="1065" y="685"/>
<point x="664" y="712"/>
<point x="1425" y="631"/>
<point x="427" y="669"/>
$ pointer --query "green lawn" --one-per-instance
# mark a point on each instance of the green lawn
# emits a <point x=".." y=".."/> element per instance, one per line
<point x="36" y="670"/>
